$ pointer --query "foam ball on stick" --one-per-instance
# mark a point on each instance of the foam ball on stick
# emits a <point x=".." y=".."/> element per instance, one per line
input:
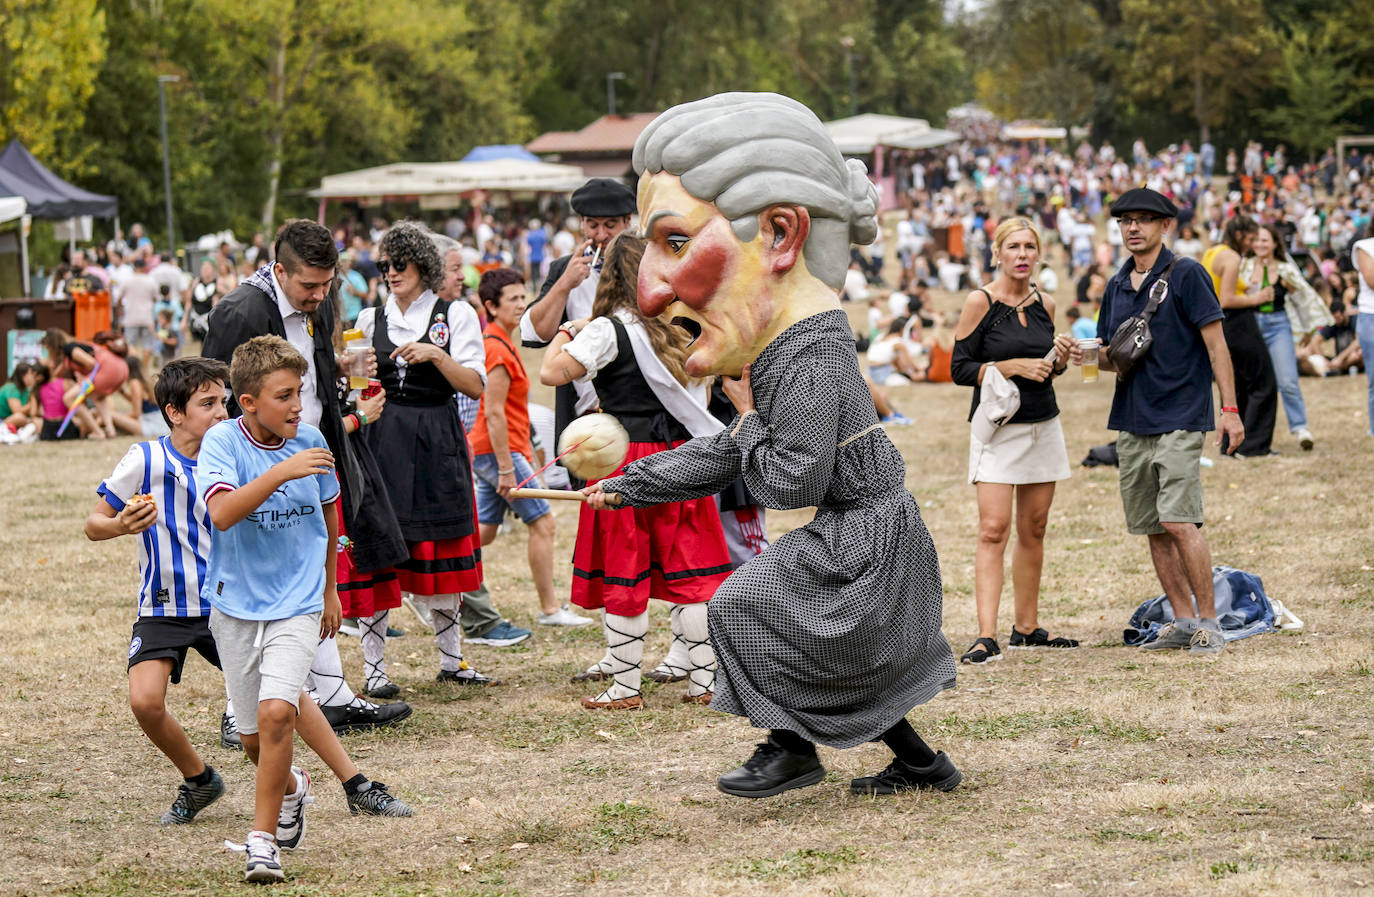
<point x="593" y="446"/>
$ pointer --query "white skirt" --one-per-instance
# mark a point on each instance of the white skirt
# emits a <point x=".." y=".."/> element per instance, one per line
<point x="1020" y="453"/>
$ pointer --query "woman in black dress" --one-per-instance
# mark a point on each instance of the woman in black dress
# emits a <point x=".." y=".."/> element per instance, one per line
<point x="1009" y="326"/>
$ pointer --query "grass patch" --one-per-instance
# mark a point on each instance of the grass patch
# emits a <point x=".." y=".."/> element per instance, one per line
<point x="808" y="862"/>
<point x="1016" y="725"/>
<point x="621" y="824"/>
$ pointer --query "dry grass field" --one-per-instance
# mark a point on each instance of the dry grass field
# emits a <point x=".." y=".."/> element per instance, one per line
<point x="1096" y="771"/>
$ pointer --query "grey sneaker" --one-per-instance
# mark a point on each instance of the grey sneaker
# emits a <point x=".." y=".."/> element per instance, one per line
<point x="1171" y="635"/>
<point x="264" y="860"/>
<point x="191" y="799"/>
<point x="377" y="801"/>
<point x="1206" y="641"/>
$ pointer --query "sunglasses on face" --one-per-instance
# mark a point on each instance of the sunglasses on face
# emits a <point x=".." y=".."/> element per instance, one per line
<point x="385" y="266"/>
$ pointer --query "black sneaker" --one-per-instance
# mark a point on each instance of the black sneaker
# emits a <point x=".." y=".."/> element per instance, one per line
<point x="382" y="687"/>
<point x="377" y="801"/>
<point x="772" y="770"/>
<point x="368" y="716"/>
<point x="191" y="799"/>
<point x="465" y="677"/>
<point x="899" y="776"/>
<point x="229" y="733"/>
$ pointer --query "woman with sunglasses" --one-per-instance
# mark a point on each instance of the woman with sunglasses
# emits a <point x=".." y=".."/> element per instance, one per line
<point x="427" y="351"/>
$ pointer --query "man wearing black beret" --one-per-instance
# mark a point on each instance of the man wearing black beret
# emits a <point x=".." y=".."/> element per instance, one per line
<point x="605" y="206"/>
<point x="1163" y="407"/>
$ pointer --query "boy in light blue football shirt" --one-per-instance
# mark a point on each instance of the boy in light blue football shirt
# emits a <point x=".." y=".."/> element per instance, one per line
<point x="268" y="480"/>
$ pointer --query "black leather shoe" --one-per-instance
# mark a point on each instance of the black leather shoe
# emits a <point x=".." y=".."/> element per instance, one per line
<point x="375" y="716"/>
<point x="938" y="776"/>
<point x="770" y="771"/>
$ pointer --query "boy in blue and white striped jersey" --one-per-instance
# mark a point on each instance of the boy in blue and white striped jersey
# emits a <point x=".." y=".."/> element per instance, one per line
<point x="152" y="494"/>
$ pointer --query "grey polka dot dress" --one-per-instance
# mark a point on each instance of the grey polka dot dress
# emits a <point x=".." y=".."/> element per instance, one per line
<point x="833" y="632"/>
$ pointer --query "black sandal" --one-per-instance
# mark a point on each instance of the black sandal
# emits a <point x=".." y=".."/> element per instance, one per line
<point x="982" y="651"/>
<point x="1039" y="638"/>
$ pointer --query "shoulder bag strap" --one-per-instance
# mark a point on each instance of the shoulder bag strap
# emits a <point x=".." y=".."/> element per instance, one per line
<point x="1153" y="305"/>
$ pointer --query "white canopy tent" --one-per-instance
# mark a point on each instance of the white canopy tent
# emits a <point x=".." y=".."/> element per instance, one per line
<point x="15" y="208"/>
<point x="860" y="134"/>
<point x="434" y="182"/>
<point x="1032" y="131"/>
<point x="872" y="134"/>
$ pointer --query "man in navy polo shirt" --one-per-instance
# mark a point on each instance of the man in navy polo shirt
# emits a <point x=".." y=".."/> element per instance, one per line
<point x="1162" y="410"/>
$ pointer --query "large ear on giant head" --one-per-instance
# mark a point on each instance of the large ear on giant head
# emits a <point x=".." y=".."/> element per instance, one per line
<point x="785" y="229"/>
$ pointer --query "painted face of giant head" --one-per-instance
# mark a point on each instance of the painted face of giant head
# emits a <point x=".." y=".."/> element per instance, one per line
<point x="698" y="274"/>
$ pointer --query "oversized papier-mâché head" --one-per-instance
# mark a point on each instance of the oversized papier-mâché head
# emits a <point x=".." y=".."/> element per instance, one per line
<point x="749" y="210"/>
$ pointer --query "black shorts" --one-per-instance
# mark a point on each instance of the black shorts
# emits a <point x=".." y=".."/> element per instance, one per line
<point x="157" y="637"/>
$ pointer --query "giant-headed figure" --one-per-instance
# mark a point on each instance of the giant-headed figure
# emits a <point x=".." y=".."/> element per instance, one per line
<point x="832" y="634"/>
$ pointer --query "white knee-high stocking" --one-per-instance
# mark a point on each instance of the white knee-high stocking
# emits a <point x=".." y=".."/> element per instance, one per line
<point x="448" y="633"/>
<point x="677" y="662"/>
<point x="691" y="618"/>
<point x="625" y="638"/>
<point x="330" y="687"/>
<point x="373" y="631"/>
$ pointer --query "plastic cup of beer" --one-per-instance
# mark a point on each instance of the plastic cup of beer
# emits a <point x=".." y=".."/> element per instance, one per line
<point x="1089" y="347"/>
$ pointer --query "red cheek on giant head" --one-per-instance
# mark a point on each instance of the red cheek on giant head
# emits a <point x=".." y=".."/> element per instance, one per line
<point x="698" y="277"/>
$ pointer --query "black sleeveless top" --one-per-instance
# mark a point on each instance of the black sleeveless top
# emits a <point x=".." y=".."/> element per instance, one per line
<point x="424" y="384"/>
<point x="998" y="337"/>
<point x="624" y="393"/>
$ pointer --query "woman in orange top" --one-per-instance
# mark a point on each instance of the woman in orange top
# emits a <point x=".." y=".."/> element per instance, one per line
<point x="501" y="441"/>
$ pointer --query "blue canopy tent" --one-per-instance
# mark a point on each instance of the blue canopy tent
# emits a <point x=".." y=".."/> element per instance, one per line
<point x="500" y="151"/>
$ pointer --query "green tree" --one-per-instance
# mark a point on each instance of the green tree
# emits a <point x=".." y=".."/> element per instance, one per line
<point x="1039" y="58"/>
<point x="50" y="52"/>
<point x="1204" y="57"/>
<point x="1320" y="86"/>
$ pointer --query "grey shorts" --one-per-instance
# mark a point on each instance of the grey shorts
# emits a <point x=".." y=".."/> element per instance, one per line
<point x="264" y="660"/>
<point x="1160" y="479"/>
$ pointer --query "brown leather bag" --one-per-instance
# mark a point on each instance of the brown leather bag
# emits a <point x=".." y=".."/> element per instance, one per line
<point x="1132" y="340"/>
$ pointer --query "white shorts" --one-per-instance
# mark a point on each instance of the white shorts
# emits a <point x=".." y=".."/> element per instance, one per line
<point x="264" y="660"/>
<point x="1019" y="454"/>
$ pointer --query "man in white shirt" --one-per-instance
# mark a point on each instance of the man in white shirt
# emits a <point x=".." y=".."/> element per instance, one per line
<point x="137" y="298"/>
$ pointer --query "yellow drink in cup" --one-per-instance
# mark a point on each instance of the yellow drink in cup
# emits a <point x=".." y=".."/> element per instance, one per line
<point x="1089" y="347"/>
<point x="355" y="353"/>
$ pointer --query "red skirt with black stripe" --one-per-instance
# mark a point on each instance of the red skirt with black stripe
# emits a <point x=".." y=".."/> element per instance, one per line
<point x="364" y="594"/>
<point x="442" y="566"/>
<point x="674" y="552"/>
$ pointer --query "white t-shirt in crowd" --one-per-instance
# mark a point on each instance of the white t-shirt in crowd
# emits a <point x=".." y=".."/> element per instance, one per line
<point x="1366" y="299"/>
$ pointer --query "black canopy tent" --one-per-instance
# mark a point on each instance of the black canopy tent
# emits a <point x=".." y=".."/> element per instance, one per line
<point x="47" y="195"/>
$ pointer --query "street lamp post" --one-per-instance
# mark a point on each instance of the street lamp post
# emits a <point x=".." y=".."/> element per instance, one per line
<point x="848" y="44"/>
<point x="611" y="78"/>
<point x="162" y="81"/>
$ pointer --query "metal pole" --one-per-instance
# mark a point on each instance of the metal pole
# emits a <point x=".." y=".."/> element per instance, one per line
<point x="166" y="160"/>
<point x="611" y="78"/>
<point x="848" y="44"/>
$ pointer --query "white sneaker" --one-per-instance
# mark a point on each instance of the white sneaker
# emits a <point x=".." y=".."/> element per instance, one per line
<point x="291" y="820"/>
<point x="1305" y="438"/>
<point x="350" y="627"/>
<point x="264" y="860"/>
<point x="564" y="616"/>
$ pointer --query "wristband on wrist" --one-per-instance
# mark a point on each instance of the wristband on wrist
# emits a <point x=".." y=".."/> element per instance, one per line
<point x="354" y="418"/>
<point x="1229" y="409"/>
<point x="362" y="417"/>
<point x="506" y="473"/>
<point x="570" y="329"/>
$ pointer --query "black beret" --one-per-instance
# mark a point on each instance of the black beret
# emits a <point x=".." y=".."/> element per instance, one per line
<point x="1143" y="199"/>
<point x="603" y="198"/>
